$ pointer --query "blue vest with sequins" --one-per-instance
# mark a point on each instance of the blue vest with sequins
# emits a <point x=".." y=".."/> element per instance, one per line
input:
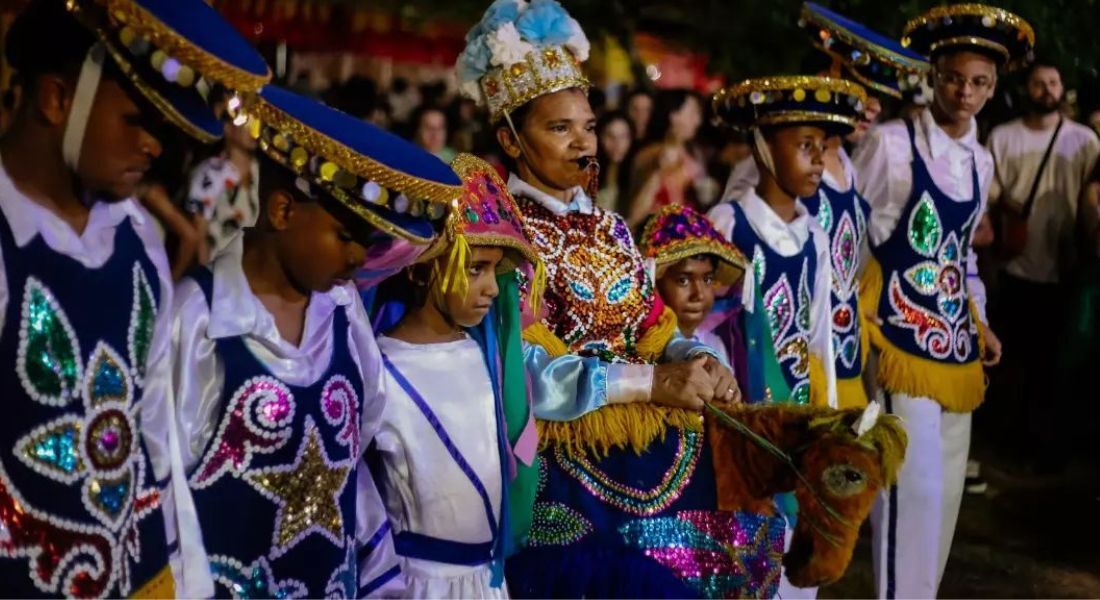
<point x="80" y="508"/>
<point x="843" y="216"/>
<point x="924" y="305"/>
<point x="787" y="284"/>
<point x="275" y="487"/>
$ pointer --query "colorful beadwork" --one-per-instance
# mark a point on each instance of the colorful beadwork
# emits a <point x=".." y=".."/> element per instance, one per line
<point x="789" y="319"/>
<point x="631" y="499"/>
<point x="107" y="379"/>
<point x="48" y="360"/>
<point x="555" y="524"/>
<point x="825" y="211"/>
<point x="142" y="319"/>
<point x="599" y="291"/>
<point x="54" y="449"/>
<point x="340" y="406"/>
<point x="257" y="420"/>
<point x="343" y="583"/>
<point x="253" y="581"/>
<point x="307" y="493"/>
<point x="925" y="228"/>
<point x="719" y="554"/>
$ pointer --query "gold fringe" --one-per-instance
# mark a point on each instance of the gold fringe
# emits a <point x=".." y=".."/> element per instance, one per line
<point x="633" y="426"/>
<point x="538" y="288"/>
<point x="819" y="385"/>
<point x="850" y="393"/>
<point x="958" y="388"/>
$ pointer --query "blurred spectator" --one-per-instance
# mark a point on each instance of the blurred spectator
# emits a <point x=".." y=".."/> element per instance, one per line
<point x="872" y="109"/>
<point x="639" y="107"/>
<point x="615" y="136"/>
<point x="159" y="194"/>
<point x="223" y="195"/>
<point x="429" y="131"/>
<point x="403" y="99"/>
<point x="467" y="126"/>
<point x="668" y="169"/>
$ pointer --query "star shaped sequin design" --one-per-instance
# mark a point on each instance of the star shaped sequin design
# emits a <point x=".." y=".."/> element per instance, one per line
<point x="307" y="493"/>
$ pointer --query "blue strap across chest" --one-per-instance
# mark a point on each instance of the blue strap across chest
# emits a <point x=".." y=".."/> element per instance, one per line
<point x="415" y="545"/>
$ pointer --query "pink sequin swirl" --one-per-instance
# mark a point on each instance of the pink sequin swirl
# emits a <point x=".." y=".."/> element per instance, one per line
<point x="340" y="404"/>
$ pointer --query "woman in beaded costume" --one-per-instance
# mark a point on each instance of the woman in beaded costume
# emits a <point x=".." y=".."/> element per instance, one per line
<point x="626" y="504"/>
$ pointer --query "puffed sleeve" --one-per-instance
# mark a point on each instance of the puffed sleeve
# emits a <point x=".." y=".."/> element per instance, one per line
<point x="821" y="334"/>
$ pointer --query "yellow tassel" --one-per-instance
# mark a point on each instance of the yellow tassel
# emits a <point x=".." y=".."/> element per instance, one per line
<point x="850" y="393"/>
<point x="957" y="387"/>
<point x="454" y="276"/>
<point x="819" y="388"/>
<point x="538" y="288"/>
<point x="633" y="426"/>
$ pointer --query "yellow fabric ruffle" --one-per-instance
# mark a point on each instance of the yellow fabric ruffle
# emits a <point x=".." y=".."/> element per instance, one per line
<point x="819" y="385"/>
<point x="850" y="393"/>
<point x="162" y="585"/>
<point x="958" y="388"/>
<point x="633" y="426"/>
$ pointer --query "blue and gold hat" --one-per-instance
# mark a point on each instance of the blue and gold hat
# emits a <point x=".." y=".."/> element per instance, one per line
<point x="388" y="182"/>
<point x="871" y="58"/>
<point x="986" y="28"/>
<point x="173" y="51"/>
<point x="834" y="104"/>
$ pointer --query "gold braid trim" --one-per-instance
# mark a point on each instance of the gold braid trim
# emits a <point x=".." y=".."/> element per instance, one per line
<point x="634" y="426"/>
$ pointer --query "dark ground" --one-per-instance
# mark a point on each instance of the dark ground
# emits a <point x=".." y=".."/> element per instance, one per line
<point x="1027" y="537"/>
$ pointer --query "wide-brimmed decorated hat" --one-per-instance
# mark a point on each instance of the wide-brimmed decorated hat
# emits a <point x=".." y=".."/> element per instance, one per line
<point x="833" y="104"/>
<point x="677" y="232"/>
<point x="384" y="180"/>
<point x="872" y="59"/>
<point x="174" y="51"/>
<point x="989" y="29"/>
<point x="519" y="51"/>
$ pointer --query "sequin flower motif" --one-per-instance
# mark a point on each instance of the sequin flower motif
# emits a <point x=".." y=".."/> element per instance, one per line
<point x="94" y="445"/>
<point x="789" y="318"/>
<point x="943" y="333"/>
<point x="846" y="234"/>
<point x="253" y="581"/>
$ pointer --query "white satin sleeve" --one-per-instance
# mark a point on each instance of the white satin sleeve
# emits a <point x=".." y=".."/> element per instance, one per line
<point x="821" y="333"/>
<point x="197" y="375"/>
<point x="190" y="568"/>
<point x="884" y="176"/>
<point x="379" y="569"/>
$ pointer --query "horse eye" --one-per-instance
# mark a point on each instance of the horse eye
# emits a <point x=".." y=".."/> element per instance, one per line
<point x="843" y="481"/>
<point x="853" y="476"/>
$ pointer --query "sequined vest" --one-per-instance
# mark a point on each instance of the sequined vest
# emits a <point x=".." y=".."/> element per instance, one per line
<point x="275" y="489"/>
<point x="80" y="511"/>
<point x="598" y="291"/>
<point x="924" y="305"/>
<point x="843" y="216"/>
<point x="787" y="284"/>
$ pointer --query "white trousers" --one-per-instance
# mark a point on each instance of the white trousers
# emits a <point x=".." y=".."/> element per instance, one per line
<point x="914" y="521"/>
<point x="787" y="590"/>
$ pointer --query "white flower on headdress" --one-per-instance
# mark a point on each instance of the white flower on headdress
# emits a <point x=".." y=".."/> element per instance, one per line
<point x="578" y="43"/>
<point x="506" y="47"/>
<point x="472" y="89"/>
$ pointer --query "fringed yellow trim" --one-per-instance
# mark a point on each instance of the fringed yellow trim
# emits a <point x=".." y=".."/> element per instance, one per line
<point x="819" y="385"/>
<point x="633" y="426"/>
<point x="537" y="288"/>
<point x="958" y="388"/>
<point x="850" y="393"/>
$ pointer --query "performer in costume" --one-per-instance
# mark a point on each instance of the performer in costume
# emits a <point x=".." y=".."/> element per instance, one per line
<point x="884" y="67"/>
<point x="457" y="439"/>
<point x="277" y="376"/>
<point x="790" y="119"/>
<point x="92" y="499"/>
<point x="627" y="503"/>
<point x="927" y="180"/>
<point x="692" y="260"/>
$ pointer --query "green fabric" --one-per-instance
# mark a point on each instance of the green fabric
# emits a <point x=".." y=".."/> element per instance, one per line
<point x="521" y="490"/>
<point x="759" y="334"/>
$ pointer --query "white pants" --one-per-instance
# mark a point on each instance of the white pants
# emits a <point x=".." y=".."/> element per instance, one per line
<point x="914" y="521"/>
<point x="787" y="590"/>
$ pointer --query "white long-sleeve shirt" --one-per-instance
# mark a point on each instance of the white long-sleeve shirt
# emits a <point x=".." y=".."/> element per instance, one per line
<point x="788" y="239"/>
<point x="198" y="372"/>
<point x="885" y="177"/>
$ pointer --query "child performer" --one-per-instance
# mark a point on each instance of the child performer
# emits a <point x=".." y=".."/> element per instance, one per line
<point x="277" y="374"/>
<point x="90" y="485"/>
<point x="885" y="67"/>
<point x="927" y="180"/>
<point x="790" y="118"/>
<point x="457" y="421"/>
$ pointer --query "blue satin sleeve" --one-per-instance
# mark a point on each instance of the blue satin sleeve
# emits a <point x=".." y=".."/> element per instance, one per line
<point x="566" y="387"/>
<point x="680" y="348"/>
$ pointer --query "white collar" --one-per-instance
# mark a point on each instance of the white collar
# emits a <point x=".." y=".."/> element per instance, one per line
<point x="580" y="203"/>
<point x="235" y="310"/>
<point x="27" y="218"/>
<point x="768" y="224"/>
<point x="849" y="174"/>
<point x="938" y="140"/>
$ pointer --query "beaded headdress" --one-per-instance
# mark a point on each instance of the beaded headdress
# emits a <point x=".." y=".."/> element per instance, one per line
<point x="835" y="104"/>
<point x="173" y="51"/>
<point x="677" y="232"/>
<point x="388" y="182"/>
<point x="871" y="58"/>
<point x="486" y="215"/>
<point x="519" y="51"/>
<point x="988" y="28"/>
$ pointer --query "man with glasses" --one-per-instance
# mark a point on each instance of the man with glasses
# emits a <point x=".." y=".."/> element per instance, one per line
<point x="927" y="180"/>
